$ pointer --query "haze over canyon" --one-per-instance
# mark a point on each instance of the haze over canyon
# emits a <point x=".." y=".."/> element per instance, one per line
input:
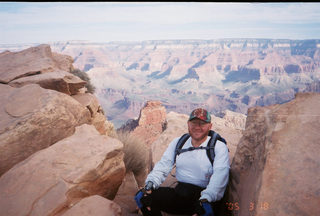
<point x="225" y="74"/>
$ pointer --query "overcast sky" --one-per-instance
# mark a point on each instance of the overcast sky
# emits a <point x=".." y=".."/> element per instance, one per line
<point x="31" y="22"/>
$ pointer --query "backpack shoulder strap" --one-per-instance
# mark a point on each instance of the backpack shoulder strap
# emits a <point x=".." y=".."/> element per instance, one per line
<point x="212" y="143"/>
<point x="179" y="145"/>
<point x="210" y="147"/>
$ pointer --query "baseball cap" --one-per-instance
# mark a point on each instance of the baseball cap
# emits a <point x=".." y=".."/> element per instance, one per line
<point x="200" y="113"/>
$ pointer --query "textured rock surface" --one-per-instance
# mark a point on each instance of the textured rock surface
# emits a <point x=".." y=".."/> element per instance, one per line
<point x="151" y="122"/>
<point x="276" y="167"/>
<point x="63" y="62"/>
<point x="45" y="166"/>
<point x="33" y="118"/>
<point x="94" y="206"/>
<point x="56" y="80"/>
<point x="97" y="115"/>
<point x="126" y="193"/>
<point x="230" y="127"/>
<point x="31" y="61"/>
<point x="57" y="177"/>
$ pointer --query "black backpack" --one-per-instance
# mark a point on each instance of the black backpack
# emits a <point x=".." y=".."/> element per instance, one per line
<point x="210" y="147"/>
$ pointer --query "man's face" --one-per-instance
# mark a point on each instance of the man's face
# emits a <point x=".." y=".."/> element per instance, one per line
<point x="198" y="129"/>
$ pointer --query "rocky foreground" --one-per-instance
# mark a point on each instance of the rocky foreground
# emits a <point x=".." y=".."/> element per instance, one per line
<point x="57" y="155"/>
<point x="276" y="167"/>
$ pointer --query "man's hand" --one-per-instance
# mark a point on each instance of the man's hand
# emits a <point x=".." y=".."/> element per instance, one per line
<point x="207" y="208"/>
<point x="203" y="208"/>
<point x="142" y="194"/>
<point x="149" y="186"/>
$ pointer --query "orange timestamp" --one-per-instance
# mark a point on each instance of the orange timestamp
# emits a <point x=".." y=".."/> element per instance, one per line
<point x="234" y="206"/>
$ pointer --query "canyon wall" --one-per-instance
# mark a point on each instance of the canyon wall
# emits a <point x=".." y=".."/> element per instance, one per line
<point x="232" y="74"/>
<point x="275" y="170"/>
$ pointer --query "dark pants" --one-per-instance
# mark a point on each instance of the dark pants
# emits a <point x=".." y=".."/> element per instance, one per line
<point x="179" y="200"/>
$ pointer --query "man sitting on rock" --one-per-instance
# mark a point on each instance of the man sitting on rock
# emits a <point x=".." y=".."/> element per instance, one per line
<point x="201" y="181"/>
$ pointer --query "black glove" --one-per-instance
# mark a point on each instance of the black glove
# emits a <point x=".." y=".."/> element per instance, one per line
<point x="207" y="208"/>
<point x="142" y="198"/>
<point x="198" y="208"/>
<point x="203" y="208"/>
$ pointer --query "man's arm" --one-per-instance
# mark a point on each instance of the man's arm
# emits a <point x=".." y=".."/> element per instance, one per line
<point x="219" y="179"/>
<point x="164" y="166"/>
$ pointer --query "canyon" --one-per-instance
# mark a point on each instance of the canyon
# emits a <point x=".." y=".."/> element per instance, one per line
<point x="59" y="155"/>
<point x="222" y="74"/>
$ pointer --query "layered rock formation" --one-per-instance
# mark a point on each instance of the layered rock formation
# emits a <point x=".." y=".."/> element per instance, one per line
<point x="32" y="61"/>
<point x="36" y="109"/>
<point x="33" y="118"/>
<point x="275" y="170"/>
<point x="232" y="74"/>
<point x="98" y="118"/>
<point x="57" y="80"/>
<point x="56" y="178"/>
<point x="151" y="122"/>
<point x="55" y="156"/>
